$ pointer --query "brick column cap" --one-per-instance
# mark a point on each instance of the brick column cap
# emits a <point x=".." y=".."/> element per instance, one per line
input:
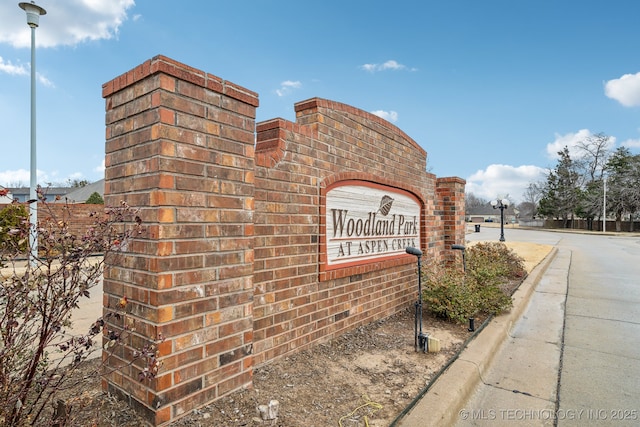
<point x="163" y="64"/>
<point x="451" y="180"/>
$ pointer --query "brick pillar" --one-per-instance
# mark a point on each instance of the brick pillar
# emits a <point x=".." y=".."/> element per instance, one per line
<point x="180" y="146"/>
<point x="450" y="194"/>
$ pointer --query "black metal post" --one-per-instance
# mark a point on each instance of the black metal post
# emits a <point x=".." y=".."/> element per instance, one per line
<point x="421" y="339"/>
<point x="502" y="207"/>
<point x="415" y="328"/>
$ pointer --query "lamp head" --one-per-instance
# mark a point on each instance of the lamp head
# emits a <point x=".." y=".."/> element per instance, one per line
<point x="458" y="247"/>
<point x="505" y="203"/>
<point x="414" y="251"/>
<point x="33" y="13"/>
<point x="494" y="203"/>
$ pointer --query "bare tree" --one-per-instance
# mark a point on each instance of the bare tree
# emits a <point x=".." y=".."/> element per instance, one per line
<point x="15" y="184"/>
<point x="471" y="202"/>
<point x="594" y="153"/>
<point x="531" y="198"/>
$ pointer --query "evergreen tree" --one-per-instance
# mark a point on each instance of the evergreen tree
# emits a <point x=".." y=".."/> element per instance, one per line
<point x="562" y="189"/>
<point x="623" y="185"/>
<point x="95" y="198"/>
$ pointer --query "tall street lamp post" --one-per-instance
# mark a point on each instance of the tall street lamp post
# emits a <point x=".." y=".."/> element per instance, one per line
<point x="604" y="206"/>
<point x="33" y="19"/>
<point x="502" y="205"/>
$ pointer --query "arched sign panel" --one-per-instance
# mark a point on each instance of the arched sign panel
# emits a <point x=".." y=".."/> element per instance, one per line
<point x="367" y="222"/>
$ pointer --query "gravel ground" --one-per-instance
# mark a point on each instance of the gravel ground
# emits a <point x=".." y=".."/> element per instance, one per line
<point x="371" y="372"/>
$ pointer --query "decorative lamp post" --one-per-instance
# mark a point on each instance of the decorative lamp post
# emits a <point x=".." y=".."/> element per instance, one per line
<point x="502" y="205"/>
<point x="33" y="20"/>
<point x="421" y="338"/>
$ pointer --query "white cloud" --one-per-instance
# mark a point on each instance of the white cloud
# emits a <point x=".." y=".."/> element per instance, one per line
<point x="21" y="70"/>
<point x="13" y="178"/>
<point x="369" y="67"/>
<point x="390" y="116"/>
<point x="100" y="168"/>
<point x="22" y="177"/>
<point x="571" y="141"/>
<point x="631" y="143"/>
<point x="625" y="90"/>
<point x="75" y="175"/>
<point x="9" y="68"/>
<point x="287" y="86"/>
<point x="388" y="65"/>
<point x="66" y="22"/>
<point x="499" y="181"/>
<point x="44" y="81"/>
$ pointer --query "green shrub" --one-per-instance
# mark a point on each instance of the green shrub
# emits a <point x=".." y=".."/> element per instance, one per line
<point x="447" y="295"/>
<point x="451" y="293"/>
<point x="14" y="221"/>
<point x="493" y="262"/>
<point x="491" y="299"/>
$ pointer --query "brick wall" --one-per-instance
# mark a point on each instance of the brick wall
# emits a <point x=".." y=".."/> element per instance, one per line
<point x="179" y="145"/>
<point x="296" y="304"/>
<point x="232" y="271"/>
<point x="77" y="215"/>
<point x="450" y="197"/>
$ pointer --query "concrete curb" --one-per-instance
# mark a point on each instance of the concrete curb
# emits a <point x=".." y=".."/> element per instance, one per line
<point x="444" y="400"/>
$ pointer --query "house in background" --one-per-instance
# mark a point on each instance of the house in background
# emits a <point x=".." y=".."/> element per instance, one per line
<point x="486" y="213"/>
<point x="58" y="194"/>
<point x="21" y="194"/>
<point x="81" y="194"/>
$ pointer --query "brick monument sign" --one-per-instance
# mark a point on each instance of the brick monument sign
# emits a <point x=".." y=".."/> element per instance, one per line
<point x="260" y="240"/>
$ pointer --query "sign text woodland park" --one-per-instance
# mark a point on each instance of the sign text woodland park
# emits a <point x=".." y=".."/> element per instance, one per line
<point x="366" y="222"/>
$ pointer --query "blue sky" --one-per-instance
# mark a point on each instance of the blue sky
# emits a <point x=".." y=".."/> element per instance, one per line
<point x="490" y="89"/>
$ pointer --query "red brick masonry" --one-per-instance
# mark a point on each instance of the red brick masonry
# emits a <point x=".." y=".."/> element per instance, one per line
<point x="231" y="270"/>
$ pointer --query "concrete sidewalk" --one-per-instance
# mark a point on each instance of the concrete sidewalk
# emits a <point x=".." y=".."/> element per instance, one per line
<point x="511" y="366"/>
<point x="83" y="317"/>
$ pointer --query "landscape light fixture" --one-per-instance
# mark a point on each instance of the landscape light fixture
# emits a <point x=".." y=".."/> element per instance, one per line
<point x="502" y="205"/>
<point x="33" y="20"/>
<point x="421" y="339"/>
<point x="460" y="248"/>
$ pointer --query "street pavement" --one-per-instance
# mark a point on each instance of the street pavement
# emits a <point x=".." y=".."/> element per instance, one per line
<point x="84" y="316"/>
<point x="569" y="357"/>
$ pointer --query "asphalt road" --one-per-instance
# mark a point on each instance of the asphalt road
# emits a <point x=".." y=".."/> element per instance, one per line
<point x="573" y="359"/>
